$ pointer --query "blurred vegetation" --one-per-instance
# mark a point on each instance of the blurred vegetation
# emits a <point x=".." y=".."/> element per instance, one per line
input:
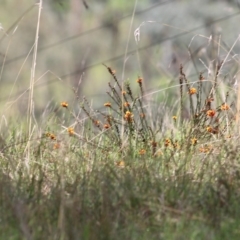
<point x="75" y="40"/>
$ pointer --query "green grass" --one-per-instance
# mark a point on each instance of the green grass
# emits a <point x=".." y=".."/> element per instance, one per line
<point x="156" y="178"/>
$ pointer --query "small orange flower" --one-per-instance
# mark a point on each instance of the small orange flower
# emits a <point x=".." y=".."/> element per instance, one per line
<point x="64" y="104"/>
<point x="142" y="152"/>
<point x="211" y="113"/>
<point x="209" y="129"/>
<point x="124" y="92"/>
<point x="126" y="104"/>
<point x="70" y="131"/>
<point x="174" y="118"/>
<point x="192" y="91"/>
<point x="128" y="116"/>
<point x="56" y="146"/>
<point x="52" y="136"/>
<point x="194" y="141"/>
<point x="97" y="123"/>
<point x="107" y="104"/>
<point x="167" y="142"/>
<point x="139" y="80"/>
<point x="106" y="126"/>
<point x="212" y="130"/>
<point x="120" y="164"/>
<point x="225" y="107"/>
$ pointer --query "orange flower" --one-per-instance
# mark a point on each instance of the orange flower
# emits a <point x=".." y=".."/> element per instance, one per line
<point x="64" y="104"/>
<point x="107" y="104"/>
<point x="142" y="152"/>
<point x="174" y="118"/>
<point x="126" y="104"/>
<point x="194" y="141"/>
<point x="209" y="129"/>
<point x="224" y="107"/>
<point x="192" y="91"/>
<point x="70" y="131"/>
<point x="56" y="146"/>
<point x="139" y="80"/>
<point x="51" y="136"/>
<point x="96" y="123"/>
<point x="167" y="142"/>
<point x="211" y="113"/>
<point x="106" y="126"/>
<point x="124" y="92"/>
<point x="128" y="116"/>
<point x="120" y="164"/>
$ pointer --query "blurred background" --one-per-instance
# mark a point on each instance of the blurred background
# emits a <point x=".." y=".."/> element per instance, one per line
<point x="78" y="36"/>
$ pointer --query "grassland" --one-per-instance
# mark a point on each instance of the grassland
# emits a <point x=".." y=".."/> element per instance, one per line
<point x="159" y="164"/>
<point x="128" y="171"/>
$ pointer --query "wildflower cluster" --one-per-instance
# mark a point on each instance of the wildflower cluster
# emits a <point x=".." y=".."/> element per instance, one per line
<point x="124" y="117"/>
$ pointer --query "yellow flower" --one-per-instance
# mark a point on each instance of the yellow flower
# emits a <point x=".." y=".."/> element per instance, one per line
<point x="70" y="131"/>
<point x="212" y="130"/>
<point x="224" y="107"/>
<point x="192" y="91"/>
<point x="174" y="118"/>
<point x="120" y="164"/>
<point x="194" y="141"/>
<point x="128" y="116"/>
<point x="64" y="104"/>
